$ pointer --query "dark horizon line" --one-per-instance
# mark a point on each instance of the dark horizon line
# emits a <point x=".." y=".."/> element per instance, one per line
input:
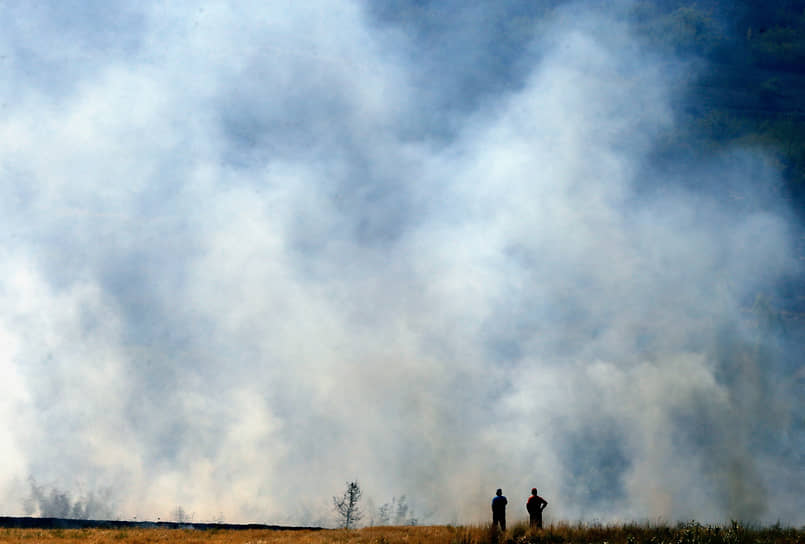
<point x="10" y="522"/>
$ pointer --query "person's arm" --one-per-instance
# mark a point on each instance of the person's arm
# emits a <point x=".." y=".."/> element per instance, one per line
<point x="543" y="504"/>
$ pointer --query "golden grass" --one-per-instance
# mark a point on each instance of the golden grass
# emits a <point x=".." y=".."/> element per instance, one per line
<point x="690" y="533"/>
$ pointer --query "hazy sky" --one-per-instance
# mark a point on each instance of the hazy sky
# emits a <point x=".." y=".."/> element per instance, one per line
<point x="252" y="250"/>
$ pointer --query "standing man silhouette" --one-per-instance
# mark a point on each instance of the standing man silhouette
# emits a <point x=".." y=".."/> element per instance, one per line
<point x="499" y="509"/>
<point x="535" y="505"/>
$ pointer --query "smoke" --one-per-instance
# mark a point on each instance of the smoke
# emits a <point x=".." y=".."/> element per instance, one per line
<point x="251" y="253"/>
<point x="59" y="504"/>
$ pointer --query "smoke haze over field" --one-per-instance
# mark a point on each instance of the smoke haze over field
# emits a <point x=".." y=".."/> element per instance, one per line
<point x="251" y="251"/>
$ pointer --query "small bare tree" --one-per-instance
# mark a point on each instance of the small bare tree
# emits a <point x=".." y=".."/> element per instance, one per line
<point x="180" y="515"/>
<point x="396" y="512"/>
<point x="347" y="506"/>
<point x="384" y="513"/>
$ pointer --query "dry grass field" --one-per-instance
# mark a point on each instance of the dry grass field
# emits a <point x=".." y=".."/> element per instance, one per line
<point x="691" y="533"/>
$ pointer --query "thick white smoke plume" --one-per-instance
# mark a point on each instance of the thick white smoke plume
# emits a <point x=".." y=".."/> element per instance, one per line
<point x="253" y="250"/>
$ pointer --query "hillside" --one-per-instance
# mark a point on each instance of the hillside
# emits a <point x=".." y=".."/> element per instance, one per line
<point x="751" y="89"/>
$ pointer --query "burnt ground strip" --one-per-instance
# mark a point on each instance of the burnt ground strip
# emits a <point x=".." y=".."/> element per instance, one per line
<point x="62" y="523"/>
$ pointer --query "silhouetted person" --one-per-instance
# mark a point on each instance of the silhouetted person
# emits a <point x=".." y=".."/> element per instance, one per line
<point x="535" y="505"/>
<point x="499" y="509"/>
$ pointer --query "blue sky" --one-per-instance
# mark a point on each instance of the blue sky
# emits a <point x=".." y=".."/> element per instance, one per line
<point x="254" y="250"/>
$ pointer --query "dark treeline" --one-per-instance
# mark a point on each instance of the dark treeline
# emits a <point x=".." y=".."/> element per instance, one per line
<point x="63" y="523"/>
<point x="748" y="88"/>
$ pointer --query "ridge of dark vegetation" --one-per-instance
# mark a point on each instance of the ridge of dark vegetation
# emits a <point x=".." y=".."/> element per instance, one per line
<point x="7" y="522"/>
<point x="749" y="89"/>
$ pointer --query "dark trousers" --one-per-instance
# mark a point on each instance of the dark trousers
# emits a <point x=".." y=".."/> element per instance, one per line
<point x="536" y="519"/>
<point x="501" y="519"/>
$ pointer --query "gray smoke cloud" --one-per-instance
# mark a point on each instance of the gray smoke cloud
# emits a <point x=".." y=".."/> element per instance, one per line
<point x="252" y="251"/>
<point x="55" y="503"/>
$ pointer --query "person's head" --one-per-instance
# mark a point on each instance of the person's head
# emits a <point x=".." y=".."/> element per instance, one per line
<point x="499" y="492"/>
<point x="533" y="490"/>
